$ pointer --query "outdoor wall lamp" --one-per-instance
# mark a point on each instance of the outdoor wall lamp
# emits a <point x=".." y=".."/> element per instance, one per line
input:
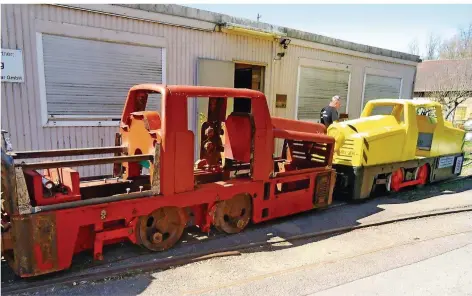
<point x="280" y="55"/>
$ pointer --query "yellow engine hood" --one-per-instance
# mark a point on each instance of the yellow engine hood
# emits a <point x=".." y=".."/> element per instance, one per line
<point x="363" y="141"/>
<point x="371" y="126"/>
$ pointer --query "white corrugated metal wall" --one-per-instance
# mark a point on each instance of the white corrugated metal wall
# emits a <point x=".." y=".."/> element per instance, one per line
<point x="286" y="79"/>
<point x="21" y="114"/>
<point x="20" y="101"/>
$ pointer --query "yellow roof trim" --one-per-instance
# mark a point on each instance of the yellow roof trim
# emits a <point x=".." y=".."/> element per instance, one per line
<point x="246" y="31"/>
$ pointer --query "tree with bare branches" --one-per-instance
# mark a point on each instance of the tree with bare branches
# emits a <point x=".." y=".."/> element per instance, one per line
<point x="433" y="44"/>
<point x="451" y="85"/>
<point x="413" y="47"/>
<point x="450" y="100"/>
<point x="459" y="46"/>
<point x="448" y="80"/>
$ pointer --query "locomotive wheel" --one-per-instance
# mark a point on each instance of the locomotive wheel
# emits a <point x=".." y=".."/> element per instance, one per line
<point x="161" y="229"/>
<point x="395" y="179"/>
<point x="421" y="174"/>
<point x="233" y="215"/>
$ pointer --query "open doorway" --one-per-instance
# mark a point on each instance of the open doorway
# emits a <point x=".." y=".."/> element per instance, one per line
<point x="250" y="77"/>
<point x="224" y="74"/>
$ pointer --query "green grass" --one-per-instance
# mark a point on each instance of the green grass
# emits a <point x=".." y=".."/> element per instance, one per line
<point x="468" y="146"/>
<point x="467" y="169"/>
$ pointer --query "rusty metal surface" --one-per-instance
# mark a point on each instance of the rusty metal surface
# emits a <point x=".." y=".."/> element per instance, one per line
<point x="22" y="196"/>
<point x="44" y="239"/>
<point x="34" y="244"/>
<point x="156" y="170"/>
<point x="323" y="185"/>
<point x="8" y="181"/>
<point x="233" y="215"/>
<point x="65" y="152"/>
<point x="161" y="229"/>
<point x="117" y="167"/>
<point x="7" y="243"/>
<point x="23" y="259"/>
<point x="85" y="162"/>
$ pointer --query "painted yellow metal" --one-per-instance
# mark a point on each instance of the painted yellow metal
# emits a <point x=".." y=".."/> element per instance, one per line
<point x="246" y="31"/>
<point x="392" y="130"/>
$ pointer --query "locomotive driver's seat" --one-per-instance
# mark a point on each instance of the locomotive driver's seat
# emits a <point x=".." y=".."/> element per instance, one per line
<point x="239" y="137"/>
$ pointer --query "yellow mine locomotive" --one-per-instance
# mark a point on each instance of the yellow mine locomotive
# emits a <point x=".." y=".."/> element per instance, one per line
<point x="395" y="144"/>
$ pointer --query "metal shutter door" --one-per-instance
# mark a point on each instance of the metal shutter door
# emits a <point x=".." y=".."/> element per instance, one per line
<point x="317" y="87"/>
<point x="381" y="87"/>
<point x="92" y="78"/>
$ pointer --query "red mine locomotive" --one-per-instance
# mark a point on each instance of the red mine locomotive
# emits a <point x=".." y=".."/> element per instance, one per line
<point x="157" y="189"/>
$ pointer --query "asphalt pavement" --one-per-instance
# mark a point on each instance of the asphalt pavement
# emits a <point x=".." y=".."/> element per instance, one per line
<point x="370" y="261"/>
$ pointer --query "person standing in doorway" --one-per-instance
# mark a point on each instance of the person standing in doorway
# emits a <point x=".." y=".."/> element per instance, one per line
<point x="329" y="114"/>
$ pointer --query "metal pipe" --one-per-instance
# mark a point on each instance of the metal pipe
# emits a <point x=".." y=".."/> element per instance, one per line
<point x="300" y="126"/>
<point x="84" y="162"/>
<point x="66" y="152"/>
<point x="92" y="201"/>
<point x="302" y="136"/>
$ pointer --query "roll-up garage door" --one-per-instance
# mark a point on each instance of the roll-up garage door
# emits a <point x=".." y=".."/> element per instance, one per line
<point x="316" y="88"/>
<point x="91" y="78"/>
<point x="381" y="87"/>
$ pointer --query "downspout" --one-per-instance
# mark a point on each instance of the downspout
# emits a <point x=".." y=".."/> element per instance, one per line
<point x="414" y="79"/>
<point x="414" y="83"/>
<point x="272" y="78"/>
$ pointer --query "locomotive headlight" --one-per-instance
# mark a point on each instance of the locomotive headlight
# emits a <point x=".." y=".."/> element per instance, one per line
<point x="48" y="184"/>
<point x="338" y="137"/>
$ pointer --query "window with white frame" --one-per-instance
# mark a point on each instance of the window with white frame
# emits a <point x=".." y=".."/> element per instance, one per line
<point x="90" y="79"/>
<point x="316" y="88"/>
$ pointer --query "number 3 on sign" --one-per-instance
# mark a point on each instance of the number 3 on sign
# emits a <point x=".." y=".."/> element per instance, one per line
<point x="458" y="166"/>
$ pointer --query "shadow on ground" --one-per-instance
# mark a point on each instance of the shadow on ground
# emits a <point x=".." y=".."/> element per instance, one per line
<point x="194" y="242"/>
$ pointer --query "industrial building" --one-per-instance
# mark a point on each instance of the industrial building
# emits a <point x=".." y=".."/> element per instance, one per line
<point x="66" y="69"/>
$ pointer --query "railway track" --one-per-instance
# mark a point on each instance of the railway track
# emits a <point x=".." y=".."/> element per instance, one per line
<point x="20" y="286"/>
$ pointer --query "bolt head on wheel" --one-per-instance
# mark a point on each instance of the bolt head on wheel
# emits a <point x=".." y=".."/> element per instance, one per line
<point x="157" y="237"/>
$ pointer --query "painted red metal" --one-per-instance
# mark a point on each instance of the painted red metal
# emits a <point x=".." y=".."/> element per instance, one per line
<point x="299" y="126"/>
<point x="398" y="182"/>
<point x="238" y="137"/>
<point x="275" y="186"/>
<point x="69" y="180"/>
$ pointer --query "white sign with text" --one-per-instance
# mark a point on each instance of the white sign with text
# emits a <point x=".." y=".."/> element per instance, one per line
<point x="444" y="162"/>
<point x="458" y="167"/>
<point x="12" y="65"/>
